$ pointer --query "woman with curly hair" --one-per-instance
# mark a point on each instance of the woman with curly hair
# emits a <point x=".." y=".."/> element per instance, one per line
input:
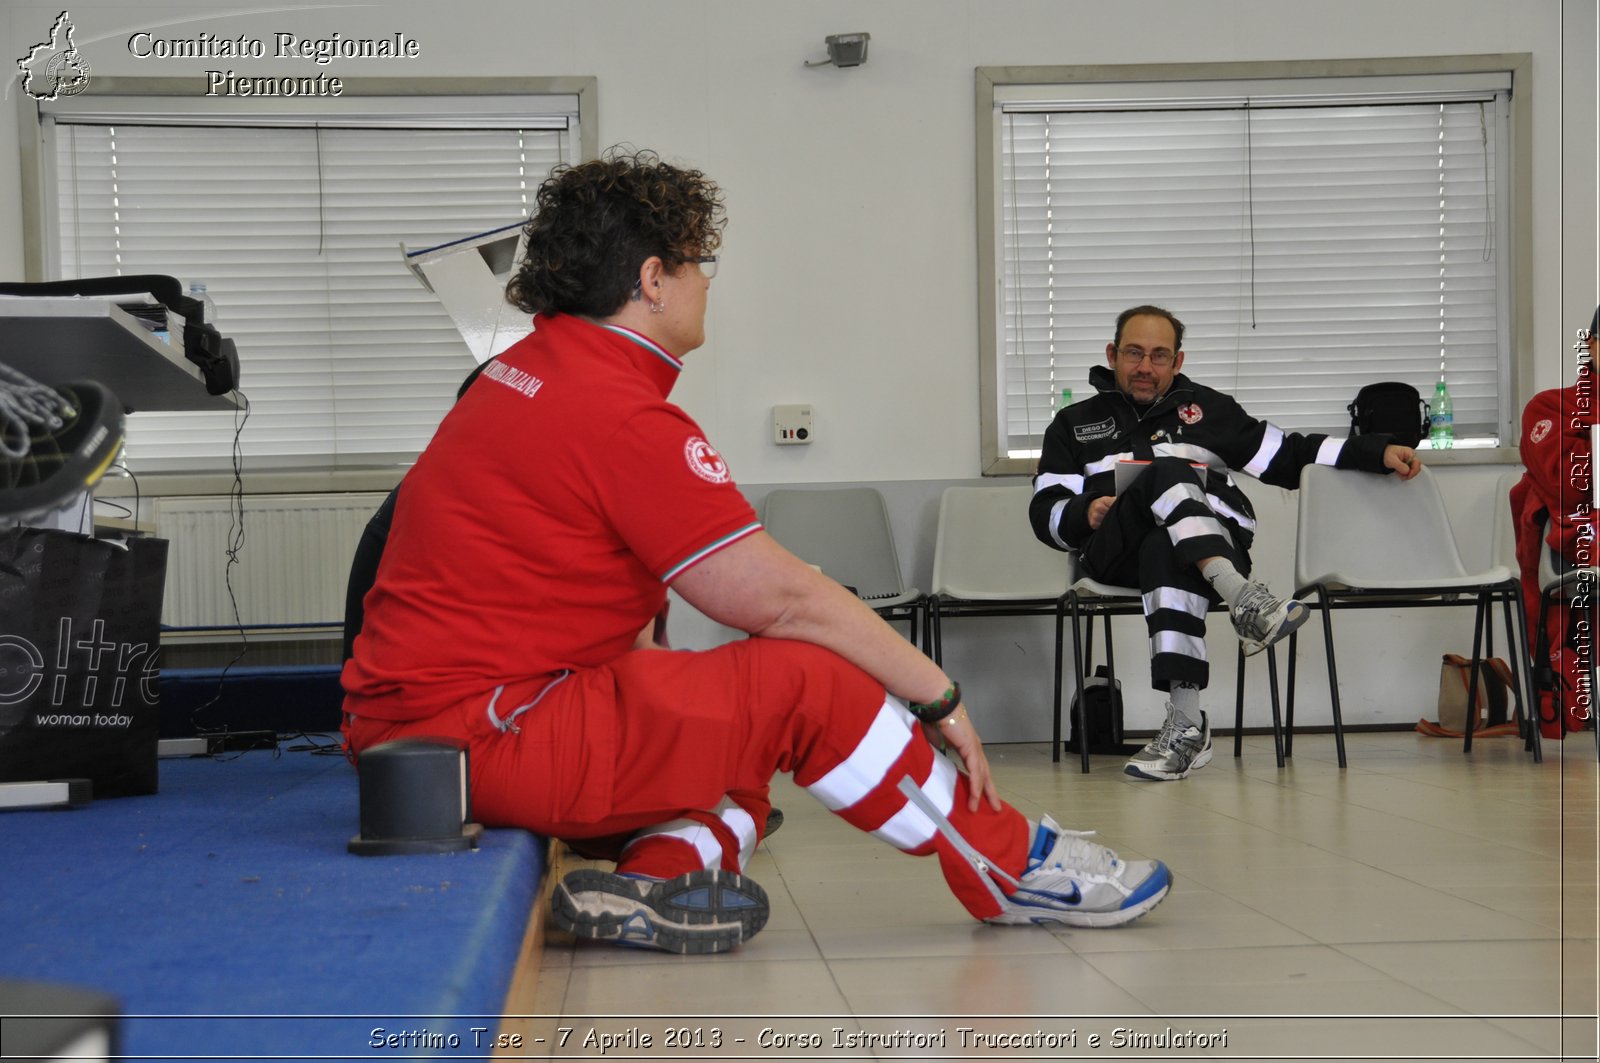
<point x="531" y="552"/>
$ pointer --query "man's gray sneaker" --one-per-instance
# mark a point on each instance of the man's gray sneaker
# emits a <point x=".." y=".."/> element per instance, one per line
<point x="1261" y="618"/>
<point x="1177" y="749"/>
<point x="691" y="915"/>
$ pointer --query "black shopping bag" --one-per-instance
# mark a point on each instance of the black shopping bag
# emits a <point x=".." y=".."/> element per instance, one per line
<point x="80" y="640"/>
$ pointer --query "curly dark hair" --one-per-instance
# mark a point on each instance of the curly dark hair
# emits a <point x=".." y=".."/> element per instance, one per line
<point x="596" y="222"/>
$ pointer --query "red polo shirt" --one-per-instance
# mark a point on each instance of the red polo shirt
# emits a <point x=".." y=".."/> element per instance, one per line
<point x="540" y="528"/>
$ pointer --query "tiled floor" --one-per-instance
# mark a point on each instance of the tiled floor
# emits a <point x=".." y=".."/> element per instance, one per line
<point x="1418" y="903"/>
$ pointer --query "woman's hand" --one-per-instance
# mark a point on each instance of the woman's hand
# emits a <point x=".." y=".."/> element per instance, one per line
<point x="956" y="731"/>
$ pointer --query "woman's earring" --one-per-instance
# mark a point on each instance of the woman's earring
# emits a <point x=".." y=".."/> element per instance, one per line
<point x="657" y="306"/>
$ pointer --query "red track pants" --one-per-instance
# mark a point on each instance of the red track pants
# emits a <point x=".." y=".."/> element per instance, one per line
<point x="661" y="760"/>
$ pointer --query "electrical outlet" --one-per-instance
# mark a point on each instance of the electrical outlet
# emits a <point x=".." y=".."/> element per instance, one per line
<point x="792" y="424"/>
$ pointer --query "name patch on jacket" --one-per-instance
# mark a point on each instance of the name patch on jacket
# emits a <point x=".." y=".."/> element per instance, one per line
<point x="1083" y="433"/>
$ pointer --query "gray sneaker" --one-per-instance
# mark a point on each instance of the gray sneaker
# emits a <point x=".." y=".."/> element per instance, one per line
<point x="1261" y="618"/>
<point x="691" y="915"/>
<point x="1177" y="749"/>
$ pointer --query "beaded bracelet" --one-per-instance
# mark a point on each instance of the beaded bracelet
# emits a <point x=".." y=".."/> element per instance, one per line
<point x="934" y="711"/>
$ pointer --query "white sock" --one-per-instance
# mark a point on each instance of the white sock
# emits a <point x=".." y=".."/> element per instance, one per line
<point x="1224" y="578"/>
<point x="1184" y="700"/>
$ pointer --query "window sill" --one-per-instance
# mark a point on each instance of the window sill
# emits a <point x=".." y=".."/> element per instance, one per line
<point x="277" y="482"/>
<point x="1462" y="456"/>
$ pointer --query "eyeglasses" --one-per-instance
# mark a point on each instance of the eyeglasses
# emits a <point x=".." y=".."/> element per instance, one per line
<point x="1160" y="357"/>
<point x="708" y="265"/>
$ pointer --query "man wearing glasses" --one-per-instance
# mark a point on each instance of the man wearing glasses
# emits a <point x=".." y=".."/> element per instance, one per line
<point x="1178" y="532"/>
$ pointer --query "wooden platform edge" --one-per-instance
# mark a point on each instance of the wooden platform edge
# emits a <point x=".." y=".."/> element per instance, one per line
<point x="522" y="994"/>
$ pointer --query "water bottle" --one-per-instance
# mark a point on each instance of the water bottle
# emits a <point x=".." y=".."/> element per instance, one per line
<point x="1441" y="420"/>
<point x="197" y="290"/>
<point x="1056" y="406"/>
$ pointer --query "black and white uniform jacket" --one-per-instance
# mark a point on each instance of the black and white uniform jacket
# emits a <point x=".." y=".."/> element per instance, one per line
<point x="1086" y="440"/>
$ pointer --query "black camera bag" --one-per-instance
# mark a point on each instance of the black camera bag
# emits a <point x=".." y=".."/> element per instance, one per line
<point x="1102" y="705"/>
<point x="1390" y="407"/>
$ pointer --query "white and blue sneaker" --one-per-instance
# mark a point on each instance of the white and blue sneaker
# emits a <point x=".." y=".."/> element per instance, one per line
<point x="1177" y="749"/>
<point x="1072" y="880"/>
<point x="1261" y="618"/>
<point x="691" y="915"/>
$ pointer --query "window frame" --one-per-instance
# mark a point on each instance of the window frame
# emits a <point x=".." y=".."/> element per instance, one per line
<point x="368" y="98"/>
<point x="992" y="87"/>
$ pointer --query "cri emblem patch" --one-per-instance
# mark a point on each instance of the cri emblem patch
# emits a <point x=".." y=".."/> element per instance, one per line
<point x="705" y="462"/>
<point x="1540" y="430"/>
<point x="1189" y="413"/>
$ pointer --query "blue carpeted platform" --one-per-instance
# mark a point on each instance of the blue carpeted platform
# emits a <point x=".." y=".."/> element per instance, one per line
<point x="229" y="895"/>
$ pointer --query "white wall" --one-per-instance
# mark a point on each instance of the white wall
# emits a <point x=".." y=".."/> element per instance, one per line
<point x="850" y="264"/>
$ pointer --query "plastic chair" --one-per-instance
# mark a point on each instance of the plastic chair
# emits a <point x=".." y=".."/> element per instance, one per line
<point x="846" y="533"/>
<point x="987" y="563"/>
<point x="1373" y="541"/>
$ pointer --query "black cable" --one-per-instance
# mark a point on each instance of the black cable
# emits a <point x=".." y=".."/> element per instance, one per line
<point x="124" y="510"/>
<point x="241" y="415"/>
<point x="137" y="504"/>
<point x="1250" y="201"/>
<point x="317" y="743"/>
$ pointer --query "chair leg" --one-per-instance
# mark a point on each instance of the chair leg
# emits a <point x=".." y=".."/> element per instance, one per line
<point x="1238" y="708"/>
<point x="1080" y="714"/>
<point x="1288" y="708"/>
<point x="1111" y="649"/>
<point x="1272" y="683"/>
<point x="1472" y="671"/>
<point x="1333" y="674"/>
<point x="1055" y="729"/>
<point x="936" y="633"/>
<point x="1521" y="668"/>
<point x="1111" y="671"/>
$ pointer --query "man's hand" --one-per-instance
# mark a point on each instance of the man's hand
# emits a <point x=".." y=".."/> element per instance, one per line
<point x="1097" y="510"/>
<point x="1403" y="460"/>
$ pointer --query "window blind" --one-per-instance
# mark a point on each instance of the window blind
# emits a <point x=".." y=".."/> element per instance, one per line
<point x="1309" y="250"/>
<point x="296" y="231"/>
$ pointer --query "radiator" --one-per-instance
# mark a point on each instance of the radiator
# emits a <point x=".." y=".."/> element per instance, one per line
<point x="292" y="567"/>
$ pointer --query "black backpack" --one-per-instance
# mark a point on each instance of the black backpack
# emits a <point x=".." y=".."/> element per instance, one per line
<point x="1103" y="711"/>
<point x="1392" y="407"/>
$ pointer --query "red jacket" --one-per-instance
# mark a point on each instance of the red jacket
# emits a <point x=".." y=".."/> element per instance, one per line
<point x="1558" y="485"/>
<point x="1559" y="488"/>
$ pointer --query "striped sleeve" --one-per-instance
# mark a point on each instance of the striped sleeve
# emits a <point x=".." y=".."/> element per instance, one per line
<point x="1057" y="484"/>
<point x="1277" y="457"/>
